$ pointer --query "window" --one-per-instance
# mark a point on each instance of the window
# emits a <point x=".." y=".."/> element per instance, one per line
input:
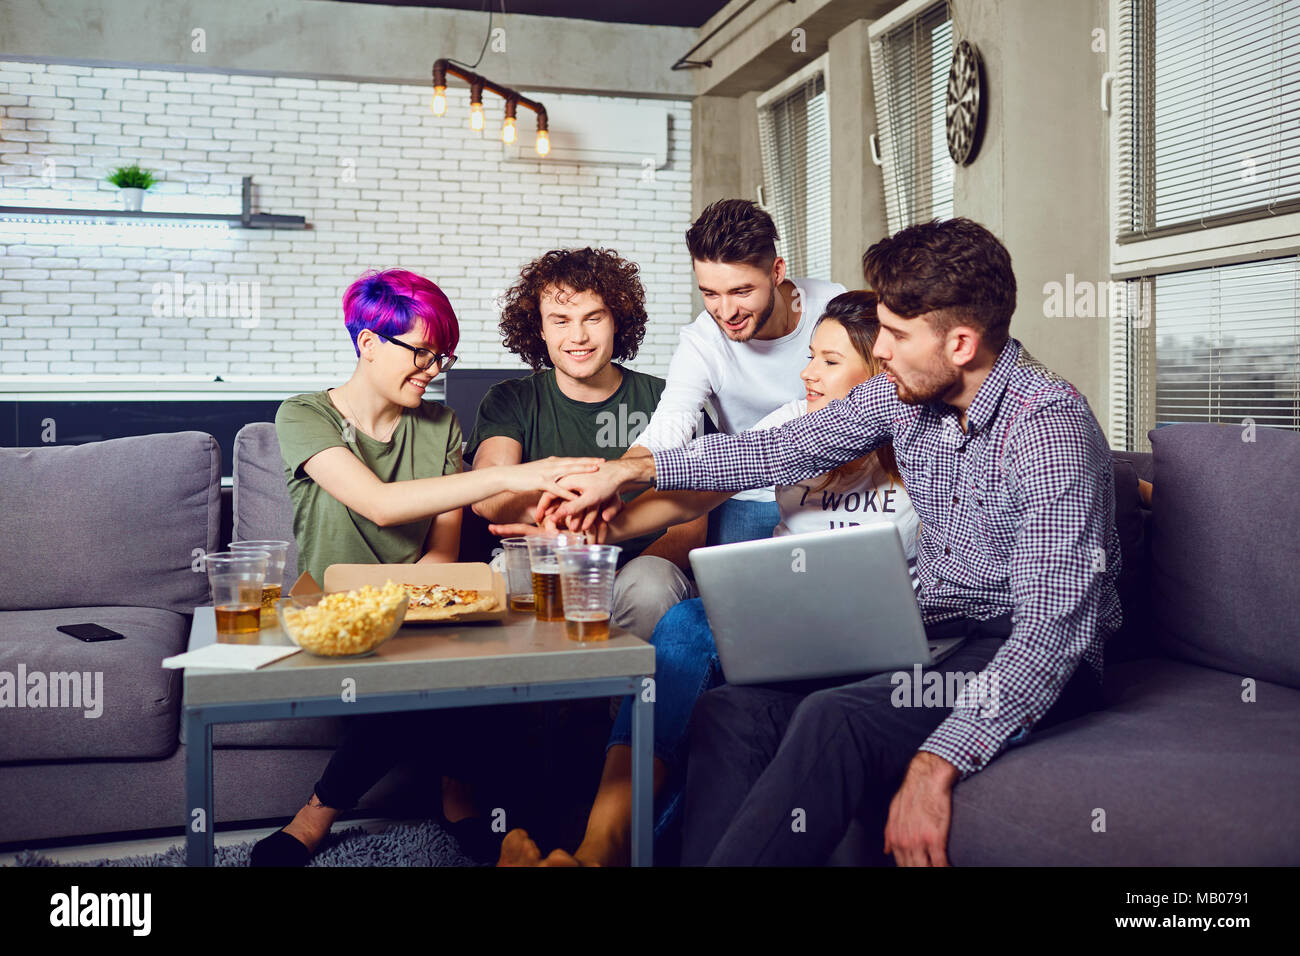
<point x="909" y="68"/>
<point x="1206" y="173"/>
<point x="1216" y="345"/>
<point x="1212" y="131"/>
<point x="794" y="137"/>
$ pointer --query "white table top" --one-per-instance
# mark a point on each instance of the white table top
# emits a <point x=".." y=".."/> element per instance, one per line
<point x="518" y="650"/>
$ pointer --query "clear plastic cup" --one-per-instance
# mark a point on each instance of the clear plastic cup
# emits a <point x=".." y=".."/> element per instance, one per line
<point x="519" y="574"/>
<point x="277" y="552"/>
<point x="236" y="578"/>
<point x="544" y="566"/>
<point x="587" y="578"/>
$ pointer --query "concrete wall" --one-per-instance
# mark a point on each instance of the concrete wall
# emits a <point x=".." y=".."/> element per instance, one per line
<point x="1040" y="180"/>
<point x="726" y="164"/>
<point x="857" y="199"/>
<point x="347" y="41"/>
<point x="761" y="48"/>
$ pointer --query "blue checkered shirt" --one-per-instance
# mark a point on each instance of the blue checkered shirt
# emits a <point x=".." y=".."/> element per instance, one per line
<point x="1017" y="516"/>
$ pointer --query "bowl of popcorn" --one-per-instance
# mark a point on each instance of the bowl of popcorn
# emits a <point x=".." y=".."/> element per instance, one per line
<point x="344" y="623"/>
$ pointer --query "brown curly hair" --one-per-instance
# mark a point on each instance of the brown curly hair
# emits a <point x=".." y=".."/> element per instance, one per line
<point x="601" y="271"/>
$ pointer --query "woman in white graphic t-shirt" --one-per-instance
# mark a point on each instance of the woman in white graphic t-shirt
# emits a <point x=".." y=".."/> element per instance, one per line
<point x="863" y="491"/>
<point x="866" y="490"/>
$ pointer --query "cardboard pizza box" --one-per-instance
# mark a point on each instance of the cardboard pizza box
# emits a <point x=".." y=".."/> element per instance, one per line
<point x="471" y="574"/>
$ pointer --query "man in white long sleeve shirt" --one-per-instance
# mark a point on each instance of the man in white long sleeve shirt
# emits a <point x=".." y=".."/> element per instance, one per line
<point x="743" y="354"/>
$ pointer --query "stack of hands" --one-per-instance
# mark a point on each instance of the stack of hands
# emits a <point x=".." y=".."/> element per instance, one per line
<point x="585" y="502"/>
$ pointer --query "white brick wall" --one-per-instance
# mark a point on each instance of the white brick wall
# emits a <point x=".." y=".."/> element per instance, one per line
<point x="429" y="195"/>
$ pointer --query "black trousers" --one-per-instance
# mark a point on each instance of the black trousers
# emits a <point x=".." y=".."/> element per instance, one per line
<point x="476" y="744"/>
<point x="835" y="751"/>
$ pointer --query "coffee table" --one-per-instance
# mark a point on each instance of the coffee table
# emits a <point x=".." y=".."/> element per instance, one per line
<point x="422" y="668"/>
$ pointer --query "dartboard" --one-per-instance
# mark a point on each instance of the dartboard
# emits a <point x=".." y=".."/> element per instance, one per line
<point x="963" y="103"/>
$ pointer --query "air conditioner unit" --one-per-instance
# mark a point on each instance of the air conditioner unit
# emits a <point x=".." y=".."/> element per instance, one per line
<point x="596" y="133"/>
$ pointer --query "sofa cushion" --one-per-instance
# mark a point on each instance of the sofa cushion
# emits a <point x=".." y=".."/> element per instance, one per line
<point x="119" y="522"/>
<point x="1225" y="526"/>
<point x="1188" y="774"/>
<point x="129" y="705"/>
<point x="263" y="510"/>
<point x="1142" y="463"/>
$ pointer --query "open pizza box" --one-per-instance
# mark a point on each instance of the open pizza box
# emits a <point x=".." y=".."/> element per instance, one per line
<point x="475" y="576"/>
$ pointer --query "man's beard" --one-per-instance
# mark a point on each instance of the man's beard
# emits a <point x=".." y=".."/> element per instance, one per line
<point x="930" y="383"/>
<point x="763" y="318"/>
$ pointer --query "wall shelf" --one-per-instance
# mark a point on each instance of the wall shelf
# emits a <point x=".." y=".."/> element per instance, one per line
<point x="245" y="219"/>
<point x="258" y="220"/>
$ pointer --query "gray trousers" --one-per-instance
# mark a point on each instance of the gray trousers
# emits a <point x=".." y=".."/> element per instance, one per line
<point x="645" y="588"/>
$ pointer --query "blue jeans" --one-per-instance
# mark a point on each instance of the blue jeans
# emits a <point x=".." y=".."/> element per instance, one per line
<point x="686" y="665"/>
<point x="742" y="520"/>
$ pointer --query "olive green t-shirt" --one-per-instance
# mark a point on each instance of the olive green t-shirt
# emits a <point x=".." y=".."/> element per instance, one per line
<point x="534" y="412"/>
<point x="425" y="444"/>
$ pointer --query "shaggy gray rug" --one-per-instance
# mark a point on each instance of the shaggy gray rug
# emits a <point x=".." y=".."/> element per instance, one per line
<point x="403" y="844"/>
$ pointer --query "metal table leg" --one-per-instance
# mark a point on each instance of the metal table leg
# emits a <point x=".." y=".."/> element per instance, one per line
<point x="198" y="789"/>
<point x="642" y="780"/>
<point x="199" y="721"/>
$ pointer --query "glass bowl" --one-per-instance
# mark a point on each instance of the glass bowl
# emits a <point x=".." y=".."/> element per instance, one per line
<point x="357" y="632"/>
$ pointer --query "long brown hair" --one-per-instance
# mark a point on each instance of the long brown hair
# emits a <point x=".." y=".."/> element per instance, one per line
<point x="856" y="313"/>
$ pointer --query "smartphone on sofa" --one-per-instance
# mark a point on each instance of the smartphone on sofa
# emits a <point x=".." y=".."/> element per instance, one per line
<point x="90" y="633"/>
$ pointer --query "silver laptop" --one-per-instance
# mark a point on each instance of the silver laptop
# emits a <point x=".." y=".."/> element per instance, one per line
<point x="823" y="604"/>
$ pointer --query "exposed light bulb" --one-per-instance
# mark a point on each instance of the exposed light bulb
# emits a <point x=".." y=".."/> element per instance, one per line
<point x="476" y="116"/>
<point x="543" y="142"/>
<point x="508" y="130"/>
<point x="439" y="104"/>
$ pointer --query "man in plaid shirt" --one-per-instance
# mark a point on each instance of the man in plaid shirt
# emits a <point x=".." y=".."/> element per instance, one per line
<point x="1011" y="476"/>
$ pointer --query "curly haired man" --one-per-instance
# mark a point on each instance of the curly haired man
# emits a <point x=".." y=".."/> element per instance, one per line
<point x="574" y="315"/>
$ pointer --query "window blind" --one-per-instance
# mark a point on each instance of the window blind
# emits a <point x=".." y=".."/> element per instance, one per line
<point x="1208" y="94"/>
<point x="794" y="136"/>
<point x="909" y="68"/>
<point x="1132" y="364"/>
<point x="1228" y="344"/>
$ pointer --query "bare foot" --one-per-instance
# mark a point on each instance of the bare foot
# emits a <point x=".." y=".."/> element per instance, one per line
<point x="560" y="858"/>
<point x="518" y="849"/>
<point x="599" y="853"/>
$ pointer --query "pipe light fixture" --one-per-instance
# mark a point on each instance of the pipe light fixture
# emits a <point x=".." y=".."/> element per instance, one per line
<point x="477" y="85"/>
<point x="508" y="131"/>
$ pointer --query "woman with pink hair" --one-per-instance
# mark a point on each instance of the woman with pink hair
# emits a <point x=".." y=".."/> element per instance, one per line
<point x="374" y="474"/>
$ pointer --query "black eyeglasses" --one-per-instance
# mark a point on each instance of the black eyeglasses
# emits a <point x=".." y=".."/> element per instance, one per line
<point x="423" y="357"/>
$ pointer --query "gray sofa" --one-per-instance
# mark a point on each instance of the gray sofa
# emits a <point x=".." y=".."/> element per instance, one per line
<point x="1185" y="770"/>
<point x="1177" y="769"/>
<point x="108" y="533"/>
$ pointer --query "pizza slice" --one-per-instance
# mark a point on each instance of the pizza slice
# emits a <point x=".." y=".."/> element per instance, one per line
<point x="441" y="602"/>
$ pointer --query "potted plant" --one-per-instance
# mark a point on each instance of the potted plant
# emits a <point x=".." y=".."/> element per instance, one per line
<point x="133" y="181"/>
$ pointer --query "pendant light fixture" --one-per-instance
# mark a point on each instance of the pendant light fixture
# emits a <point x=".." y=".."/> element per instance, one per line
<point x="477" y="85"/>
